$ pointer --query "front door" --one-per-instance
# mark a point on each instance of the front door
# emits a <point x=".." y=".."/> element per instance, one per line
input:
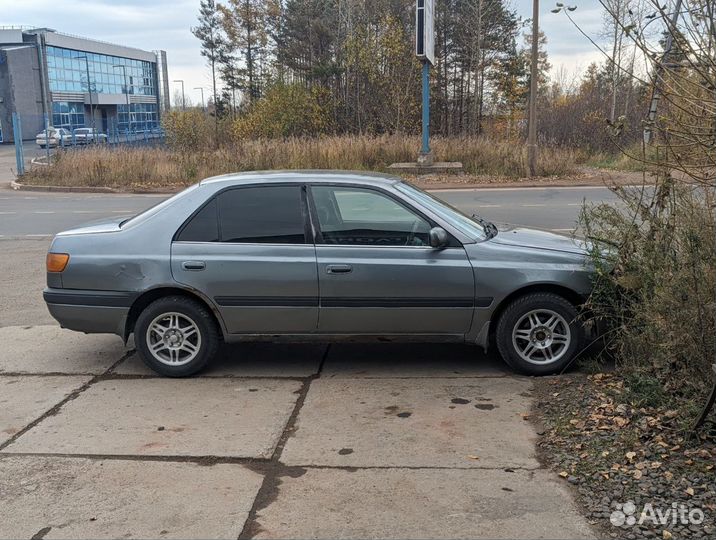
<point x="377" y="272"/>
<point x="248" y="250"/>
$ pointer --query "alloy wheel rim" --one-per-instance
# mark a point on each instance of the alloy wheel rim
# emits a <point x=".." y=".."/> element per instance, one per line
<point x="173" y="339"/>
<point x="541" y="337"/>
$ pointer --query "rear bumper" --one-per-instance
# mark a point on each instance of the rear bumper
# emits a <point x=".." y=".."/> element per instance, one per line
<point x="92" y="312"/>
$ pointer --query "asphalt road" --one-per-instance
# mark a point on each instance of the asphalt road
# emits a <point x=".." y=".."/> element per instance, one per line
<point x="29" y="214"/>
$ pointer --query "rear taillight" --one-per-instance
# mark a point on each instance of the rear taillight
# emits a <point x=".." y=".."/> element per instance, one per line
<point x="56" y="262"/>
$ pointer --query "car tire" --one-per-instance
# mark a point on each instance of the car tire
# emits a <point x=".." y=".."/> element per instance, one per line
<point x="539" y="334"/>
<point x="176" y="336"/>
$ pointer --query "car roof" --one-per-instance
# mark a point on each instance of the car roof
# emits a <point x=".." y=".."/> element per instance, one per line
<point x="313" y="176"/>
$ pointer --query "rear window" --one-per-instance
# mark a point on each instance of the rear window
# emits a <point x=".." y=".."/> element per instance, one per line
<point x="149" y="212"/>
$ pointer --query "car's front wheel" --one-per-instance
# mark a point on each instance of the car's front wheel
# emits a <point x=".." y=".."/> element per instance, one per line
<point x="176" y="336"/>
<point x="539" y="334"/>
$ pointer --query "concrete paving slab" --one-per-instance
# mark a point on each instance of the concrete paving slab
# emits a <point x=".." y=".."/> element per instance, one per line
<point x="87" y="498"/>
<point x="411" y="360"/>
<point x="422" y="503"/>
<point x="25" y="399"/>
<point x="414" y="423"/>
<point x="249" y="360"/>
<point x="22" y="276"/>
<point x="51" y="349"/>
<point x="169" y="417"/>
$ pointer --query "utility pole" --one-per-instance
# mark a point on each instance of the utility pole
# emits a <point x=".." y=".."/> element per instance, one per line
<point x="183" y="101"/>
<point x="655" y="93"/>
<point x="534" y="74"/>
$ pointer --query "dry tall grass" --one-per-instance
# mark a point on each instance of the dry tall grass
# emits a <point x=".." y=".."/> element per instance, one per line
<point x="153" y="167"/>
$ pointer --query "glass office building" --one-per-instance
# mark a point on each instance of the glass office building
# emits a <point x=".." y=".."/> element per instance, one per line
<point x="71" y="70"/>
<point x="90" y="83"/>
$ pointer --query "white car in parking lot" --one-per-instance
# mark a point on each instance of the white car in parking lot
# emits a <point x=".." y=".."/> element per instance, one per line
<point x="53" y="137"/>
<point x="88" y="136"/>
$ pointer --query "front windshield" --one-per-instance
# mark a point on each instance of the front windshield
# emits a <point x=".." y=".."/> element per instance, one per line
<point x="467" y="225"/>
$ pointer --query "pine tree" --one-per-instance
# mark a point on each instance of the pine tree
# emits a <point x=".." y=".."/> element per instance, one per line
<point x="247" y="26"/>
<point x="209" y="33"/>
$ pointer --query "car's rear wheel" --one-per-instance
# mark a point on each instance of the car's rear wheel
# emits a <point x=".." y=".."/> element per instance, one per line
<point x="176" y="336"/>
<point x="539" y="334"/>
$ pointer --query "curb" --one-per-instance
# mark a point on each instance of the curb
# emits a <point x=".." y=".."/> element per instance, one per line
<point x="511" y="185"/>
<point x="17" y="186"/>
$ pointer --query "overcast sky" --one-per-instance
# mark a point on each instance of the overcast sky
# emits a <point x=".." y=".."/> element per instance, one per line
<point x="164" y="24"/>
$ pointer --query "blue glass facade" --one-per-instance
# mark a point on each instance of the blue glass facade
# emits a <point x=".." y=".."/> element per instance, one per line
<point x="68" y="115"/>
<point x="67" y="72"/>
<point x="142" y="116"/>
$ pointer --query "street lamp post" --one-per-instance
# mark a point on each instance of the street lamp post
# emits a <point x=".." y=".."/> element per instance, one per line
<point x="202" y="96"/>
<point x="183" y="102"/>
<point x="89" y="89"/>
<point x="126" y="91"/>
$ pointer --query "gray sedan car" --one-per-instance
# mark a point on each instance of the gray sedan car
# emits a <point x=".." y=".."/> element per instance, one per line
<point x="318" y="255"/>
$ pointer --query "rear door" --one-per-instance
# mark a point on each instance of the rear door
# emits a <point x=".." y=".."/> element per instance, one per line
<point x="377" y="271"/>
<point x="249" y="249"/>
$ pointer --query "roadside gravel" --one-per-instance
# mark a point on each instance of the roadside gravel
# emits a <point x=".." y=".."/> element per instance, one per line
<point x="629" y="465"/>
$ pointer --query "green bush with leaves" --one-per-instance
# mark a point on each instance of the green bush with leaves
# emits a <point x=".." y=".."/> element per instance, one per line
<point x="188" y="131"/>
<point x="286" y="111"/>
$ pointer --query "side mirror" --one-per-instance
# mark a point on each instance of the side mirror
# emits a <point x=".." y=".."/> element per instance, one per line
<point x="438" y="237"/>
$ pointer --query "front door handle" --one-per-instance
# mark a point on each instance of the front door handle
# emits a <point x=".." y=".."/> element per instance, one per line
<point x="193" y="265"/>
<point x="339" y="269"/>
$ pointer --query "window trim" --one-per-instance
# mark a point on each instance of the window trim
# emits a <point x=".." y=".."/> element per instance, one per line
<point x="318" y="237"/>
<point x="308" y="238"/>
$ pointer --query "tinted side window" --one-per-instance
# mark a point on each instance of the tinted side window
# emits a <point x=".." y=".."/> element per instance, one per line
<point x="356" y="216"/>
<point x="266" y="215"/>
<point x="203" y="227"/>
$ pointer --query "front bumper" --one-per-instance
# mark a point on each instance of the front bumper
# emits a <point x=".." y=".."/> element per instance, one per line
<point x="92" y="312"/>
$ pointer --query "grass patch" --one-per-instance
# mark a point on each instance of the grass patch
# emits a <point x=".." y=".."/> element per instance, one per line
<point x="642" y="390"/>
<point x="618" y="162"/>
<point x="124" y="167"/>
<point x="631" y="159"/>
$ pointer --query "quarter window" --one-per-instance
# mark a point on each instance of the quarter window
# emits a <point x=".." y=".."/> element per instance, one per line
<point x="356" y="216"/>
<point x="203" y="227"/>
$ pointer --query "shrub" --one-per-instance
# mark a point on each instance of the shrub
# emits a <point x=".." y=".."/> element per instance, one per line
<point x="188" y="131"/>
<point x="655" y="285"/>
<point x="286" y="111"/>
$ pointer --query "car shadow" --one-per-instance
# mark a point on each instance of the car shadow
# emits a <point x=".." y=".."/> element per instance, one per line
<point x="357" y="360"/>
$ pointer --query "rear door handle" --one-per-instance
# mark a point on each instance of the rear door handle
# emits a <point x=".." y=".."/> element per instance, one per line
<point x="193" y="265"/>
<point x="339" y="269"/>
